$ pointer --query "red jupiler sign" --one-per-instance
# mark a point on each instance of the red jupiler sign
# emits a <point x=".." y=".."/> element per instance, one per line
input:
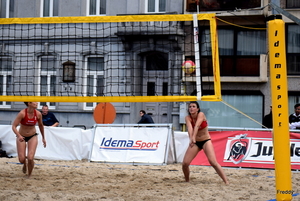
<point x="248" y="149"/>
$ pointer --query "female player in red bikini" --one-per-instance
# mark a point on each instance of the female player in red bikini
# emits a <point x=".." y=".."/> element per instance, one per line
<point x="26" y="135"/>
<point x="199" y="139"/>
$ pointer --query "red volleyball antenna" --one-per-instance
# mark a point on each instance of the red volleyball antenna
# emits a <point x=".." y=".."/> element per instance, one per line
<point x="197" y="2"/>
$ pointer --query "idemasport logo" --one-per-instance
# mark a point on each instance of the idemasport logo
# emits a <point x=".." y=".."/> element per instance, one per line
<point x="113" y="144"/>
<point x="238" y="148"/>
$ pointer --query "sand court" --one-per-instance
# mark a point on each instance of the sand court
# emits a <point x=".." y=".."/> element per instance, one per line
<point x="83" y="180"/>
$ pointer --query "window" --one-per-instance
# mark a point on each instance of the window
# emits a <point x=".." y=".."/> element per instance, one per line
<point x="96" y="7"/>
<point x="156" y="6"/>
<point x="293" y="49"/>
<point x="293" y="99"/>
<point x="151" y="89"/>
<point x="49" y="8"/>
<point x="47" y="79"/>
<point x="7" y="8"/>
<point x="239" y="52"/>
<point x="292" y="4"/>
<point x="5" y="80"/>
<point x="94" y="79"/>
<point x="165" y="89"/>
<point x="220" y="115"/>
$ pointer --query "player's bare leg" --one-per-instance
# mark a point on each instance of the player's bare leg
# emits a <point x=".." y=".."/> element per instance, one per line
<point x="30" y="167"/>
<point x="24" y="169"/>
<point x="190" y="154"/>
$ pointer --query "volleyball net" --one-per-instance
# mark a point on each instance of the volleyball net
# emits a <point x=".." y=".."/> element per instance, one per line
<point x="129" y="58"/>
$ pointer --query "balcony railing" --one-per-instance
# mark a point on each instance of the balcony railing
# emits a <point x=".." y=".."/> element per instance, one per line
<point x="221" y="5"/>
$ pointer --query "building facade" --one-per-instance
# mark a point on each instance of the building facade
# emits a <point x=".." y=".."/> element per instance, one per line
<point x="243" y="53"/>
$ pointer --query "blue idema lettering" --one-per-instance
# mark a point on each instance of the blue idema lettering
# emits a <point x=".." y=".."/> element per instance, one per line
<point x="116" y="143"/>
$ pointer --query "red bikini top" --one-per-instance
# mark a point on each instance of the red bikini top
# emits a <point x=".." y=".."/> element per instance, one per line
<point x="203" y="124"/>
<point x="29" y="122"/>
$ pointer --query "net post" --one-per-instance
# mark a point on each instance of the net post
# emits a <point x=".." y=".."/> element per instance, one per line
<point x="279" y="95"/>
<point x="215" y="57"/>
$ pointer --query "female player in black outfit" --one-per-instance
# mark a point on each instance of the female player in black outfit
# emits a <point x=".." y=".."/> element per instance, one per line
<point x="199" y="139"/>
<point x="27" y="136"/>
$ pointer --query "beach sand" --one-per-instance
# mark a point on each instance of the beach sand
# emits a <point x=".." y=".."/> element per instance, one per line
<point x="83" y="180"/>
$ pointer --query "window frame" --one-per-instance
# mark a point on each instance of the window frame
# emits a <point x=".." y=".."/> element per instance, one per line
<point x="156" y="9"/>
<point x="293" y="98"/>
<point x="291" y="7"/>
<point x="5" y="74"/>
<point x="229" y="62"/>
<point x="95" y="74"/>
<point x="51" y="8"/>
<point x="98" y="10"/>
<point x="9" y="9"/>
<point x="49" y="75"/>
<point x="292" y="56"/>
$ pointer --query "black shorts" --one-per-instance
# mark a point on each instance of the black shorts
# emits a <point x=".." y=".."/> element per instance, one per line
<point x="201" y="143"/>
<point x="28" y="138"/>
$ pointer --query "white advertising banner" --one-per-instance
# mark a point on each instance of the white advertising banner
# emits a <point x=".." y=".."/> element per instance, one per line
<point x="131" y="144"/>
<point x="65" y="143"/>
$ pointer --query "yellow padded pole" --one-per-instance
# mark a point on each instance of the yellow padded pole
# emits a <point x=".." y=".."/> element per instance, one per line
<point x="281" y="136"/>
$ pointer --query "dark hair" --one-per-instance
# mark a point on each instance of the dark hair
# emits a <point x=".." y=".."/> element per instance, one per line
<point x="197" y="104"/>
<point x="143" y="111"/>
<point x="297" y="105"/>
<point x="26" y="103"/>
